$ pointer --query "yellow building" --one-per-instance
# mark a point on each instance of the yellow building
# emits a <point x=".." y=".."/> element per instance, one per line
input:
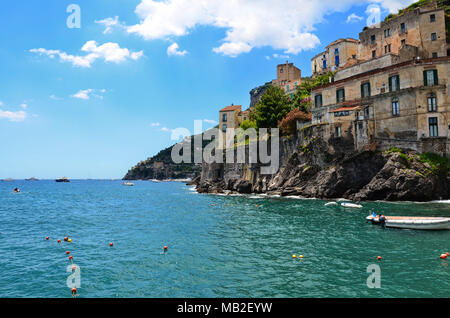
<point x="336" y="55"/>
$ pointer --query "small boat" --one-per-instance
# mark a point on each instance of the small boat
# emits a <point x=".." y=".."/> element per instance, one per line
<point x="413" y="222"/>
<point x="129" y="184"/>
<point x="331" y="204"/>
<point x="155" y="180"/>
<point x="351" y="205"/>
<point x="32" y="179"/>
<point x="8" y="180"/>
<point x="62" y="179"/>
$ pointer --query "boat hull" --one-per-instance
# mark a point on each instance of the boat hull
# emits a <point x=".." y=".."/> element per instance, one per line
<point x="414" y="223"/>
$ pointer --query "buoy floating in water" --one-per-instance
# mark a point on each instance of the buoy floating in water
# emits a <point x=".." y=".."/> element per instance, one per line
<point x="301" y="256"/>
<point x="70" y="257"/>
<point x="379" y="258"/>
<point x="165" y="248"/>
<point x="294" y="256"/>
<point x="67" y="252"/>
<point x="47" y="238"/>
<point x="111" y="244"/>
<point x="66" y="238"/>
<point x="59" y="241"/>
<point x="74" y="291"/>
<point x="69" y="240"/>
<point x="443" y="256"/>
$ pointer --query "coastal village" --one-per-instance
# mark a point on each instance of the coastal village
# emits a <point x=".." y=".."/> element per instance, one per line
<point x="389" y="88"/>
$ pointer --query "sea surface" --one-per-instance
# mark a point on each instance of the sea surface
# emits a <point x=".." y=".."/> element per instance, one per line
<point x="218" y="246"/>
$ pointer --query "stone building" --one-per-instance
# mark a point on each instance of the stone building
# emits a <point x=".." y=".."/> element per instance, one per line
<point x="336" y="55"/>
<point x="395" y="93"/>
<point x="288" y="78"/>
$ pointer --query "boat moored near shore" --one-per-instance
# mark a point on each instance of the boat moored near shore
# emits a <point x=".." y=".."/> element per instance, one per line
<point x="413" y="222"/>
<point x="62" y="179"/>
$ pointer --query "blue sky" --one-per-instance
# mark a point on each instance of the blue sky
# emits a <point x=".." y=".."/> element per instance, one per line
<point x="91" y="102"/>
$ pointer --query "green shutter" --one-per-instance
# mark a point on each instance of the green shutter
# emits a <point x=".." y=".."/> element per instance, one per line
<point x="368" y="84"/>
<point x="390" y="84"/>
<point x="337" y="96"/>
<point x="343" y="95"/>
<point x="435" y="75"/>
<point x="397" y="77"/>
<point x="425" y="78"/>
<point x="362" y="90"/>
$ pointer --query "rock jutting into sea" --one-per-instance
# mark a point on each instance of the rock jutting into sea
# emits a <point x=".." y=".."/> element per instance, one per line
<point x="314" y="168"/>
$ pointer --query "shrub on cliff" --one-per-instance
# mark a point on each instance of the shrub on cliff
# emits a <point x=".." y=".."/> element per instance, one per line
<point x="288" y="124"/>
<point x="271" y="108"/>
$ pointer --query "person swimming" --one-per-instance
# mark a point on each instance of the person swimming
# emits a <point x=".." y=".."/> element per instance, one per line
<point x="16" y="190"/>
<point x="382" y="220"/>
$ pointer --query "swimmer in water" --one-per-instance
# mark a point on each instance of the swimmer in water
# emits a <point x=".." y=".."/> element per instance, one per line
<point x="16" y="190"/>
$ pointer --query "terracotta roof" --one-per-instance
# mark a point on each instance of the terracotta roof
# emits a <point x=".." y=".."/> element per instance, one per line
<point x="342" y="40"/>
<point x="343" y="109"/>
<point x="230" y="108"/>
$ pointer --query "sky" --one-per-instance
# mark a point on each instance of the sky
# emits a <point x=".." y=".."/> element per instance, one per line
<point x="88" y="88"/>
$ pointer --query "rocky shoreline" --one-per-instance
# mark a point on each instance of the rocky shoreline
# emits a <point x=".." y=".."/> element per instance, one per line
<point x="313" y="168"/>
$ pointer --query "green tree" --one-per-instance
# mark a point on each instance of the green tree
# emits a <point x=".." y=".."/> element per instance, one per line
<point x="271" y="108"/>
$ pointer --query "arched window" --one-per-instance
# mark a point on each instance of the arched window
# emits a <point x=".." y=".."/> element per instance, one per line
<point x="395" y="107"/>
<point x="432" y="104"/>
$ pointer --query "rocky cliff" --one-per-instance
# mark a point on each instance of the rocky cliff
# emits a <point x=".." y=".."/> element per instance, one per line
<point x="311" y="166"/>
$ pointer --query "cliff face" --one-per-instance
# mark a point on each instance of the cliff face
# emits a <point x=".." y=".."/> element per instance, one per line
<point x="313" y="167"/>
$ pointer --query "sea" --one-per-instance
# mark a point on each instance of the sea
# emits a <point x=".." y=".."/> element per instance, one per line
<point x="217" y="245"/>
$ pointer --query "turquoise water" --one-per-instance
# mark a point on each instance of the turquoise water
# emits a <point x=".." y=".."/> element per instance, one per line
<point x="218" y="246"/>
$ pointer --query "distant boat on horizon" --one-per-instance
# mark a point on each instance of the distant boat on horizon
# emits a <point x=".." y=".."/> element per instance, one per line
<point x="129" y="184"/>
<point x="32" y="179"/>
<point x="8" y="180"/>
<point x="62" y="179"/>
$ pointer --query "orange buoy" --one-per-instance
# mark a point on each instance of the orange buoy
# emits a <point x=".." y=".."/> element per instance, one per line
<point x="379" y="258"/>
<point x="111" y="244"/>
<point x="59" y="241"/>
<point x="66" y="238"/>
<point x="67" y="252"/>
<point x="165" y="248"/>
<point x="70" y="257"/>
<point x="47" y="238"/>
<point x="443" y="256"/>
<point x="74" y="291"/>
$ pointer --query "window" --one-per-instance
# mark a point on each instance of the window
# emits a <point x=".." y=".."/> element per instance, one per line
<point x="224" y="117"/>
<point x="281" y="70"/>
<point x="430" y="77"/>
<point x="373" y="39"/>
<point x="387" y="33"/>
<point x="338" y="131"/>
<point x="394" y="83"/>
<point x="342" y="113"/>
<point x="340" y="95"/>
<point x="402" y="28"/>
<point x="387" y="48"/>
<point x="395" y="107"/>
<point x="336" y="60"/>
<point x="432" y="105"/>
<point x="434" y="55"/>
<point x="433" y="37"/>
<point x="318" y="100"/>
<point x="433" y="125"/>
<point x="324" y="64"/>
<point x="365" y="90"/>
<point x="367" y="112"/>
<point x="374" y="54"/>
<point x="224" y="127"/>
<point x="432" y="18"/>
<point x="403" y="42"/>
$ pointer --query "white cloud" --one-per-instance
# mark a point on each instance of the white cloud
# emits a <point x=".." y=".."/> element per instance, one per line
<point x="165" y="129"/>
<point x="13" y="116"/>
<point x="155" y="124"/>
<point x="109" y="23"/>
<point x="87" y="93"/>
<point x="280" y="56"/>
<point x="210" y="121"/>
<point x="173" y="50"/>
<point x="352" y="18"/>
<point x="109" y="52"/>
<point x="283" y="25"/>
<point x="55" y="97"/>
<point x="24" y="105"/>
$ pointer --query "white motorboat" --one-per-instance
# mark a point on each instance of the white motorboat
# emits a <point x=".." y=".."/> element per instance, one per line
<point x="351" y="205"/>
<point x="331" y="204"/>
<point x="413" y="222"/>
<point x="129" y="184"/>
